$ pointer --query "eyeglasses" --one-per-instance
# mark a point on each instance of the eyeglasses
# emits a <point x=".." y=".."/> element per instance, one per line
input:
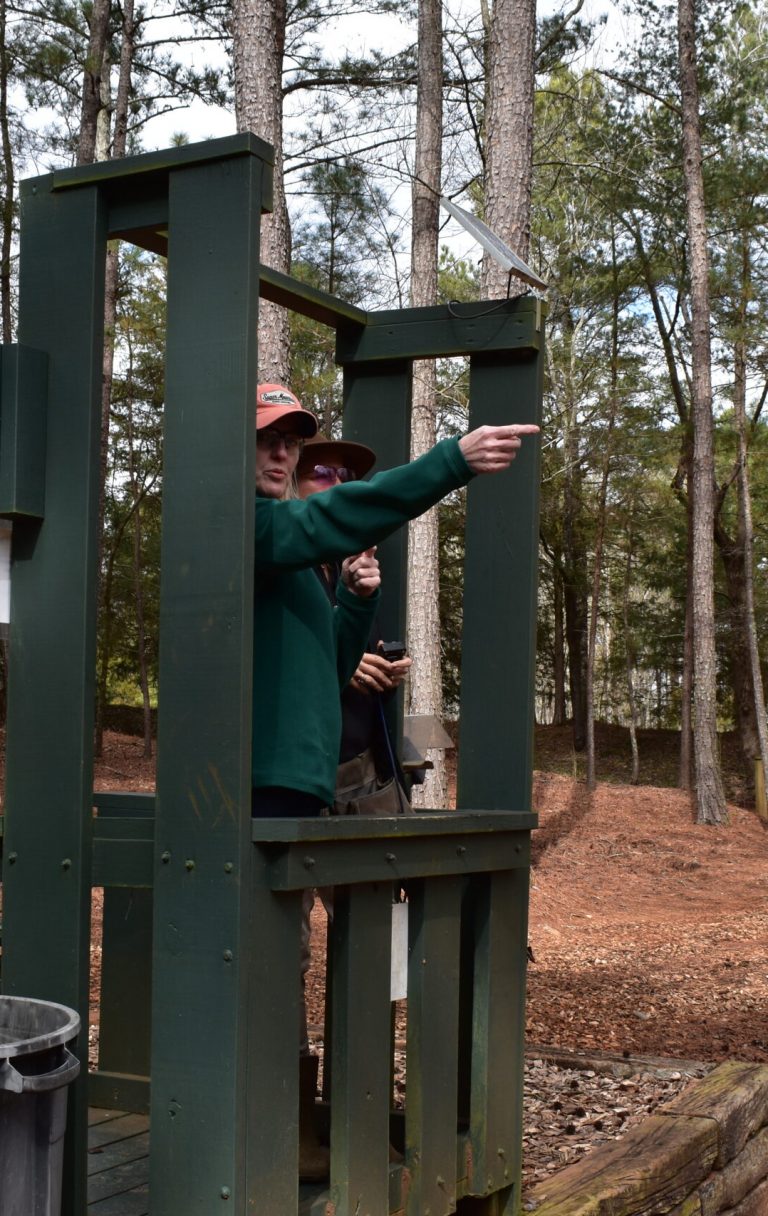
<point x="328" y="472"/>
<point x="270" y="437"/>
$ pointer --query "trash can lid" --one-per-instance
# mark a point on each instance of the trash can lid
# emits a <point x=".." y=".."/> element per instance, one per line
<point x="28" y="1025"/>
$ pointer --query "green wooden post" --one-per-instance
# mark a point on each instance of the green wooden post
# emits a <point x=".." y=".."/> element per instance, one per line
<point x="377" y="411"/>
<point x="499" y="631"/>
<point x="47" y="861"/>
<point x="433" y="1032"/>
<point x="121" y="1081"/>
<point x="360" y="1089"/>
<point x="203" y="850"/>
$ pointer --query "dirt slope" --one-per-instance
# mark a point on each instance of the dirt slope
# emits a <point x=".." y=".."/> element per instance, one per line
<point x="650" y="934"/>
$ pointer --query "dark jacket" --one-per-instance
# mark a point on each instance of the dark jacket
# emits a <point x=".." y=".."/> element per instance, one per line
<point x="304" y="650"/>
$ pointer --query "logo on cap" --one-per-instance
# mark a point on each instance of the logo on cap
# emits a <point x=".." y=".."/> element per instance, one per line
<point x="278" y="396"/>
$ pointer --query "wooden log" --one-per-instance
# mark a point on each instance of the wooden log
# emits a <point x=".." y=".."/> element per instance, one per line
<point x="689" y="1207"/>
<point x="654" y="1167"/>
<point x="735" y="1096"/>
<point x="753" y="1204"/>
<point x="726" y="1188"/>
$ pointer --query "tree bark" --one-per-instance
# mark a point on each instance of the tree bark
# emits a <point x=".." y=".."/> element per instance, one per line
<point x="710" y="795"/>
<point x="426" y="684"/>
<point x="746" y="672"/>
<point x="558" y="714"/>
<point x="127" y="49"/>
<point x="746" y="524"/>
<point x="137" y="495"/>
<point x="685" y="769"/>
<point x="629" y="662"/>
<point x="93" y="75"/>
<point x="574" y="579"/>
<point x="258" y="48"/>
<point x="600" y="533"/>
<point x="510" y="41"/>
<point x="9" y="185"/>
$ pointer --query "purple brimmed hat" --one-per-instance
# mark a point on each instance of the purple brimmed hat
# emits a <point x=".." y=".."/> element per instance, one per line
<point x="320" y="449"/>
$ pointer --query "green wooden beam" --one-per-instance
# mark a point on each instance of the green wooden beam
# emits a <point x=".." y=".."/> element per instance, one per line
<point x="394" y="828"/>
<point x="445" y="330"/>
<point x="295" y="866"/>
<point x="116" y="173"/>
<point x="309" y="301"/>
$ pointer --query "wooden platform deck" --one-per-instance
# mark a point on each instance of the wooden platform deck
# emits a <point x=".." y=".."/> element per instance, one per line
<point x="118" y="1168"/>
<point x="118" y="1163"/>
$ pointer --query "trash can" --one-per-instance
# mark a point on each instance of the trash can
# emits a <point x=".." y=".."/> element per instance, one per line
<point x="36" y="1067"/>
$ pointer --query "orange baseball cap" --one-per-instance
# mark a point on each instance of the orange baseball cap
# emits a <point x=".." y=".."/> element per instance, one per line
<point x="274" y="401"/>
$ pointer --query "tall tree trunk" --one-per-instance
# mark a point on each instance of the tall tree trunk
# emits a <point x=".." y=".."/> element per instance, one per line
<point x="258" y="47"/>
<point x="138" y="582"/>
<point x="426" y="685"/>
<point x="733" y="557"/>
<point x="574" y="578"/>
<point x="758" y="744"/>
<point x="685" y="768"/>
<point x="92" y="97"/>
<point x="600" y="533"/>
<point x="558" y="714"/>
<point x="118" y="149"/>
<point x="710" y="795"/>
<point x="629" y="661"/>
<point x="510" y="43"/>
<point x="682" y="486"/>
<point x="9" y="187"/>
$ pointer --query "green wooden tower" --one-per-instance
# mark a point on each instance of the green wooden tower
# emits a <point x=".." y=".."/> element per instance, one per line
<point x="199" y="1009"/>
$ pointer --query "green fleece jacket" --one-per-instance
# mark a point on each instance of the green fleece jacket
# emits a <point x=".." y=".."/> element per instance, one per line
<point x="304" y="650"/>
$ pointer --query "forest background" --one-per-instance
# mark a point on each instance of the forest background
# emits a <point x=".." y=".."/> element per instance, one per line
<point x="366" y="140"/>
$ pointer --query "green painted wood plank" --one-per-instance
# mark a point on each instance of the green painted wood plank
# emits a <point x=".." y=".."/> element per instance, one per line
<point x="125" y="1091"/>
<point x="188" y="156"/>
<point x="444" y="331"/>
<point x="48" y="824"/>
<point x="124" y="802"/>
<point x="361" y="827"/>
<point x="203" y="852"/>
<point x="24" y="396"/>
<point x="377" y="412"/>
<point x="433" y="1031"/>
<point x="337" y="862"/>
<point x="123" y="863"/>
<point x="113" y="1130"/>
<point x="104" y="1160"/>
<point x="98" y="1114"/>
<point x="125" y="1004"/>
<point x="119" y="1179"/>
<point x="502" y="535"/>
<point x="498" y="1030"/>
<point x="360" y="1080"/>
<point x="124" y="828"/>
<point x="131" y="1203"/>
<point x="309" y="301"/>
<point x="272" y="1140"/>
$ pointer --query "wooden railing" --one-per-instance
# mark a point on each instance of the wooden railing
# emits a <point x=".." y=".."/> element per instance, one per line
<point x="466" y="879"/>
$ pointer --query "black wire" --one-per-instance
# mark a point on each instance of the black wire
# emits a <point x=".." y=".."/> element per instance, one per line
<point x="470" y="317"/>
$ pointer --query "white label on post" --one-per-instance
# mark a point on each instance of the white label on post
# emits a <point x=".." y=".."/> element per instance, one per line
<point x="5" y="571"/>
<point x="399" y="977"/>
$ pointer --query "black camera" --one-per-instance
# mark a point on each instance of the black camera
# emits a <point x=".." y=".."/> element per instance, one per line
<point x="392" y="651"/>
